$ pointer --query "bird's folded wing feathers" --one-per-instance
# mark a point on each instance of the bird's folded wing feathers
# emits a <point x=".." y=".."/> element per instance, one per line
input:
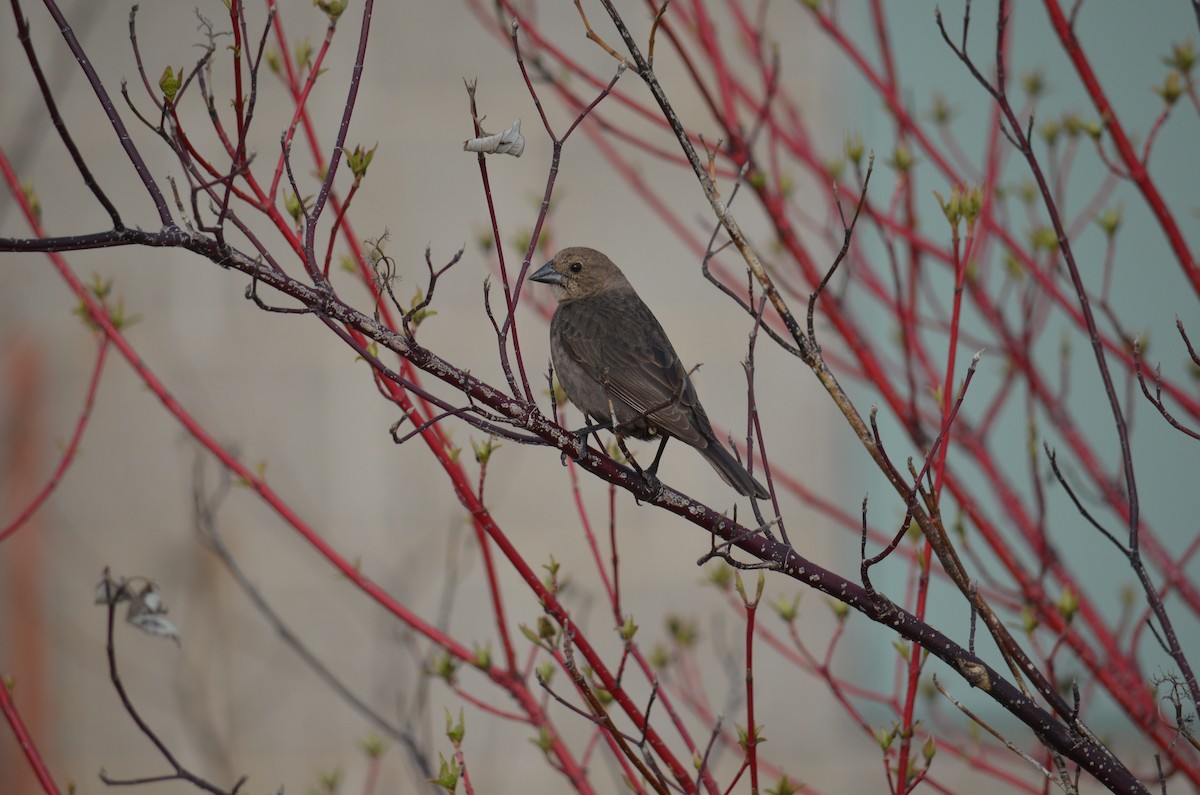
<point x="644" y="371"/>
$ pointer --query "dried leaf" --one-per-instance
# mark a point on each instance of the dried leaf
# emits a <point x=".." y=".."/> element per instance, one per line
<point x="509" y="142"/>
<point x="156" y="625"/>
<point x="151" y="600"/>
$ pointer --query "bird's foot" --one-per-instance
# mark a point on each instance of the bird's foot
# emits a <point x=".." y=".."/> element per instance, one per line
<point x="581" y="436"/>
<point x="652" y="483"/>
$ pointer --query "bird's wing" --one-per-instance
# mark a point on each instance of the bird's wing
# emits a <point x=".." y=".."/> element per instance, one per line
<point x="620" y="344"/>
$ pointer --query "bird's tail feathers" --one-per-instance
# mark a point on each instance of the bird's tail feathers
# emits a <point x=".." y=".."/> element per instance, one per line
<point x="732" y="472"/>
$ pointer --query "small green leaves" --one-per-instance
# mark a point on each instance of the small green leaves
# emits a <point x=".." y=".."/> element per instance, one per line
<point x="784" y="786"/>
<point x="522" y="239"/>
<point x="746" y="739"/>
<point x="787" y="609"/>
<point x="101" y="289"/>
<point x="1072" y="125"/>
<point x="332" y="8"/>
<point x="544" y="740"/>
<point x="720" y="576"/>
<point x="448" y="774"/>
<point x="360" y="159"/>
<point x="372" y="745"/>
<point x="1182" y="58"/>
<point x="484" y="240"/>
<point x="551" y="580"/>
<point x="482" y="658"/>
<point x="902" y="159"/>
<point x="1171" y="88"/>
<point x="1093" y="128"/>
<point x="295" y="206"/>
<point x="951" y="208"/>
<point x="928" y="749"/>
<point x="787" y="185"/>
<point x="741" y="588"/>
<point x="854" y="148"/>
<point x="1034" y="83"/>
<point x="959" y="525"/>
<point x="545" y="671"/>
<point x="445" y="668"/>
<point x="627" y="629"/>
<point x="556" y="392"/>
<point x="417" y="313"/>
<point x="972" y="205"/>
<point x="329" y="782"/>
<point x="1049" y="131"/>
<point x="1013" y="267"/>
<point x="942" y="112"/>
<point x="1068" y="604"/>
<point x="121" y="321"/>
<point x="1043" y="238"/>
<point x="546" y="629"/>
<point x="170" y="83"/>
<point x="483" y="450"/>
<point x="260" y="472"/>
<point x="1029" y="621"/>
<point x="1027" y="192"/>
<point x="963" y="204"/>
<point x="683" y="631"/>
<point x="455" y="730"/>
<point x="1110" y="220"/>
<point x="303" y="54"/>
<point x="31" y="198"/>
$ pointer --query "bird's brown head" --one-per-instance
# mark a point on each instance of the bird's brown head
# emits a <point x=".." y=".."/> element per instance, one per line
<point x="579" y="272"/>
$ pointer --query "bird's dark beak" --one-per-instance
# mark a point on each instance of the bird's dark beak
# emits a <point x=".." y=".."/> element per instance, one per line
<point x="547" y="275"/>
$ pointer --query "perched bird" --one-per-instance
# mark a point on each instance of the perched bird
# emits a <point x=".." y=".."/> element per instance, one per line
<point x="614" y="360"/>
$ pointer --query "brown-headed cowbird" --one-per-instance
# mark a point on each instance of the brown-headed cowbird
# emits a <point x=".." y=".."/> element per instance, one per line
<point x="614" y="360"/>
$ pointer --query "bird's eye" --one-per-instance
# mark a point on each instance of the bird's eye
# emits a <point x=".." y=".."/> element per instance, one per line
<point x="576" y="267"/>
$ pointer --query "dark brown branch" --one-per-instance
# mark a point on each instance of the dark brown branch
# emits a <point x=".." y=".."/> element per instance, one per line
<point x="181" y="773"/>
<point x="110" y="110"/>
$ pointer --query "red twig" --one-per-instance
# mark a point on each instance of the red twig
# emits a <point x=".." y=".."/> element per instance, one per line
<point x="1136" y="167"/>
<point x="24" y="741"/>
<point x="72" y="447"/>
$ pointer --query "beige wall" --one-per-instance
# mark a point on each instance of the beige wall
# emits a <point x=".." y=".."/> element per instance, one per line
<point x="233" y="699"/>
